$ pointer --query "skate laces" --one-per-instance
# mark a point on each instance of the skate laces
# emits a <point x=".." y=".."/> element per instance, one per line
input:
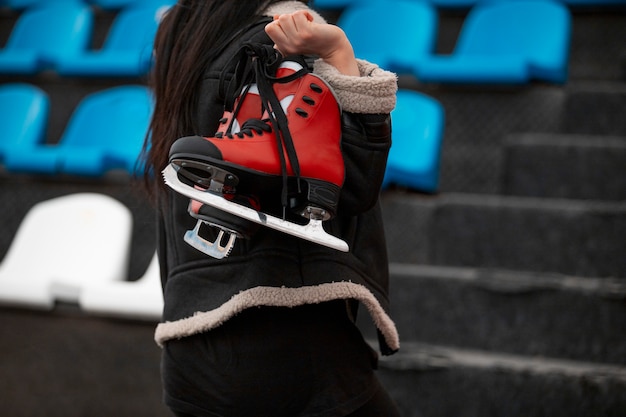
<point x="248" y="129"/>
<point x="258" y="63"/>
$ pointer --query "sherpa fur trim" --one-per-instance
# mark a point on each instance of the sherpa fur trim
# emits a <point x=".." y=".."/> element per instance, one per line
<point x="373" y="92"/>
<point x="280" y="297"/>
<point x="285" y="7"/>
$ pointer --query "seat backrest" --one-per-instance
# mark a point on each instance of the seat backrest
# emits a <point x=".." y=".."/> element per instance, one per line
<point x="53" y="29"/>
<point x="393" y="35"/>
<point x="122" y="4"/>
<point x="23" y="4"/>
<point x="133" y="30"/>
<point x="533" y="28"/>
<point x="71" y="239"/>
<point x="418" y="128"/>
<point x="23" y="115"/>
<point x="419" y="119"/>
<point x="114" y="119"/>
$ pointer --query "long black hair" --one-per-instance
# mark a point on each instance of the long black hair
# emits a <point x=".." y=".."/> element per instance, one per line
<point x="189" y="36"/>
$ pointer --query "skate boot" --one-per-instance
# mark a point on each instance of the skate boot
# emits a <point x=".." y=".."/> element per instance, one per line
<point x="291" y="152"/>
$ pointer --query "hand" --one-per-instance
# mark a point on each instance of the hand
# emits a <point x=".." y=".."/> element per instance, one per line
<point x="297" y="33"/>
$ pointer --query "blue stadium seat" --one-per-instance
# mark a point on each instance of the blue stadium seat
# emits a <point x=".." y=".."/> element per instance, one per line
<point x="23" y="4"/>
<point x="23" y="116"/>
<point x="123" y="4"/>
<point x="43" y="35"/>
<point x="393" y="34"/>
<point x="105" y="132"/>
<point x="594" y="3"/>
<point x="417" y="136"/>
<point x="127" y="50"/>
<point x="451" y="4"/>
<point x="511" y="42"/>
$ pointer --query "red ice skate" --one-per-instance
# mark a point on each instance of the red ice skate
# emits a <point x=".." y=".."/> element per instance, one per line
<point x="298" y="140"/>
<point x="288" y="147"/>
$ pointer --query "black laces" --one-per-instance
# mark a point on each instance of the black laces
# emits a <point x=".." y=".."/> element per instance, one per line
<point x="248" y="129"/>
<point x="258" y="63"/>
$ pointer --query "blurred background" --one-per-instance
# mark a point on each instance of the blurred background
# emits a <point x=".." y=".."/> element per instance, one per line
<point x="504" y="202"/>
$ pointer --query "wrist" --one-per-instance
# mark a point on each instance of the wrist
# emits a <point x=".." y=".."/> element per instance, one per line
<point x="343" y="59"/>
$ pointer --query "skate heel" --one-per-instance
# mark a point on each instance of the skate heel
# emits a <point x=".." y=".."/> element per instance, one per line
<point x="223" y="228"/>
<point x="205" y="176"/>
<point x="321" y="202"/>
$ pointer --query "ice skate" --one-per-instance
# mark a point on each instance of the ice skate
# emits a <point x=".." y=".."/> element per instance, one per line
<point x="313" y="231"/>
<point x="286" y="149"/>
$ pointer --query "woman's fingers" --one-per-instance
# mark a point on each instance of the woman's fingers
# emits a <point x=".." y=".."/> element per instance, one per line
<point x="294" y="33"/>
<point x="297" y="33"/>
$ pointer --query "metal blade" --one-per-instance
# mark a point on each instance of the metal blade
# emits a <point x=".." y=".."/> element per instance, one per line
<point x="312" y="232"/>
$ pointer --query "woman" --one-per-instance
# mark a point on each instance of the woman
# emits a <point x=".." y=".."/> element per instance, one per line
<point x="269" y="330"/>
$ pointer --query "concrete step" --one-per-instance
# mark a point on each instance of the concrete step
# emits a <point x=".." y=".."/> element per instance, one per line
<point x="597" y="108"/>
<point x="509" y="311"/>
<point x="438" y="381"/>
<point x="478" y="119"/>
<point x="596" y="51"/>
<point x="573" y="237"/>
<point x="65" y="363"/>
<point x="565" y="166"/>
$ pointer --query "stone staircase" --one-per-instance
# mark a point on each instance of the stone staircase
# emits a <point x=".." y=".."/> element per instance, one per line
<point x="509" y="286"/>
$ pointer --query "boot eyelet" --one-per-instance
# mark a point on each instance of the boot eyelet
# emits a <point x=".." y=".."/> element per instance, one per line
<point x="301" y="112"/>
<point x="316" y="88"/>
<point x="308" y="100"/>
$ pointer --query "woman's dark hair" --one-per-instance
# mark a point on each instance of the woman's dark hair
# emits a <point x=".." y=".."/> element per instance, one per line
<point x="189" y="36"/>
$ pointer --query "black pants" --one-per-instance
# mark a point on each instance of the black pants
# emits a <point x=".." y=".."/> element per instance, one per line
<point x="277" y="362"/>
<point x="381" y="405"/>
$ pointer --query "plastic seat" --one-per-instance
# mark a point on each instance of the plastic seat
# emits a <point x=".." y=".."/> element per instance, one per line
<point x="23" y="116"/>
<point x="44" y="34"/>
<point x="141" y="299"/>
<point x="106" y="132"/>
<point x="62" y="244"/>
<point x="127" y="50"/>
<point x="393" y="34"/>
<point x="122" y="4"/>
<point x="510" y="42"/>
<point x="417" y="136"/>
<point x="23" y="4"/>
<point x="594" y="3"/>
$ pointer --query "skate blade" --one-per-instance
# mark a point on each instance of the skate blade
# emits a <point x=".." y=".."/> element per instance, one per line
<point x="312" y="232"/>
<point x="214" y="249"/>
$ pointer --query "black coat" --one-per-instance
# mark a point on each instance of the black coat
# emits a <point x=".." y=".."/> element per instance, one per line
<point x="273" y="268"/>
